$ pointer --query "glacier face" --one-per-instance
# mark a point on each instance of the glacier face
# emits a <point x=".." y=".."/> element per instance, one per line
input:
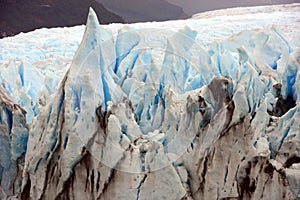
<point x="13" y="144"/>
<point x="191" y="109"/>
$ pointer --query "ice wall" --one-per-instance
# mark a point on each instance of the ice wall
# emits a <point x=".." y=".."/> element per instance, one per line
<point x="13" y="144"/>
<point x="140" y="118"/>
<point x="193" y="109"/>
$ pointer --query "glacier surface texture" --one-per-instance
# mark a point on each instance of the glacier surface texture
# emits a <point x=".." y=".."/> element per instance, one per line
<point x="203" y="108"/>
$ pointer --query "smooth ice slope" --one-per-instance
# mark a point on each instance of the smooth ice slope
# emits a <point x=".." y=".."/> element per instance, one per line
<point x="170" y="111"/>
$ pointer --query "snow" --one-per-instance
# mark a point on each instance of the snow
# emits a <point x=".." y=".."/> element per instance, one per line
<point x="140" y="97"/>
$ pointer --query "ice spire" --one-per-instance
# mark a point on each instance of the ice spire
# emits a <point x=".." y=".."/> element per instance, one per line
<point x="91" y="38"/>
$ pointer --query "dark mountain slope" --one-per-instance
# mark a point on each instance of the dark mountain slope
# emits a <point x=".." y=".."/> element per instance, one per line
<point x="144" y="10"/>
<point x="192" y="7"/>
<point x="26" y="15"/>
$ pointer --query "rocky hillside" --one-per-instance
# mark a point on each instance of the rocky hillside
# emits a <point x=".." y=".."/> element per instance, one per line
<point x="26" y="15"/>
<point x="146" y="10"/>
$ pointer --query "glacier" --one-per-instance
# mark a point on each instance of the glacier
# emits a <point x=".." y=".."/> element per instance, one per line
<point x="203" y="108"/>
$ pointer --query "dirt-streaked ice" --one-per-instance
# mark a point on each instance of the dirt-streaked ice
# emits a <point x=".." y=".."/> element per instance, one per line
<point x="203" y="108"/>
